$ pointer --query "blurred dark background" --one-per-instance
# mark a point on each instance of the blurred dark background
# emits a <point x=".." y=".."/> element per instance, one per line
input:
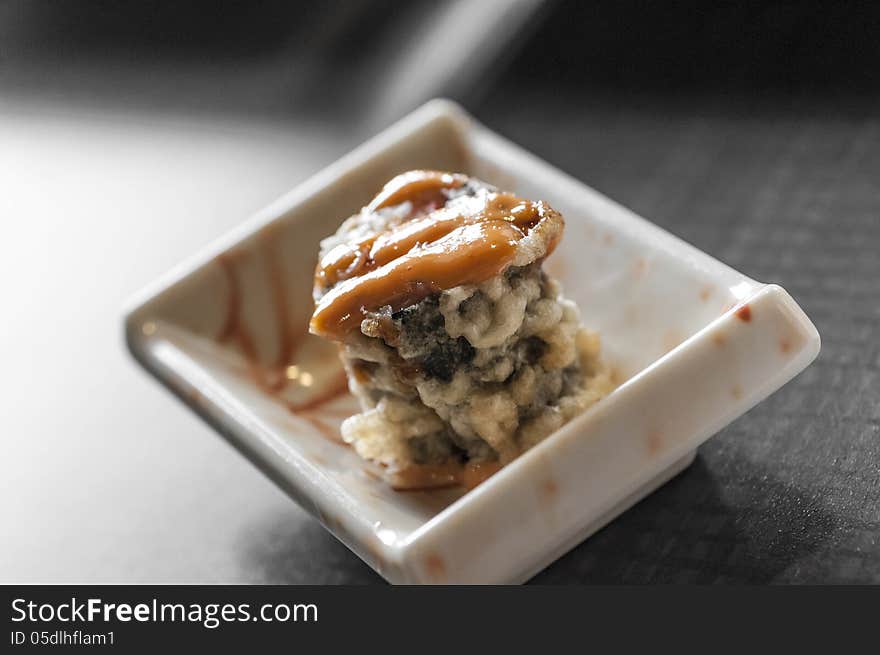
<point x="131" y="133"/>
<point x="277" y="58"/>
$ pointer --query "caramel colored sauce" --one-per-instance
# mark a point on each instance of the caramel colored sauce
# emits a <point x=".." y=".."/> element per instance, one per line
<point x="290" y="336"/>
<point x="410" y="185"/>
<point x="271" y="377"/>
<point x="464" y="244"/>
<point x="233" y="329"/>
<point x="435" y="476"/>
<point x="336" y="388"/>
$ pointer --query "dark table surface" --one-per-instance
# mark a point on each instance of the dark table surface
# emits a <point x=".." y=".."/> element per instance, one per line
<point x="772" y="171"/>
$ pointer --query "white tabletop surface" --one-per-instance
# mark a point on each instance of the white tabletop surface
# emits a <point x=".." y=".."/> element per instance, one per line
<point x="104" y="476"/>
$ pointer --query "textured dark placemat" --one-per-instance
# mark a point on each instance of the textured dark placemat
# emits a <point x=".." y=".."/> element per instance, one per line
<point x="791" y="491"/>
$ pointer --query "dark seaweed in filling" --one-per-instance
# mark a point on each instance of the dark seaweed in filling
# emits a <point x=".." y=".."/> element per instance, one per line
<point x="422" y="328"/>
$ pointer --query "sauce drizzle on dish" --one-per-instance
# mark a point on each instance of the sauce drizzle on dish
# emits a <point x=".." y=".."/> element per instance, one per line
<point x="437" y="476"/>
<point x="273" y="377"/>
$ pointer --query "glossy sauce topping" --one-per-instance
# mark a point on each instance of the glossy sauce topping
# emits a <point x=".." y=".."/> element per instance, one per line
<point x="466" y="242"/>
<point x="408" y="186"/>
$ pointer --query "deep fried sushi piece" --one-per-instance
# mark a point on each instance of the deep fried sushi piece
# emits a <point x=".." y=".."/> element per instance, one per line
<point x="461" y="349"/>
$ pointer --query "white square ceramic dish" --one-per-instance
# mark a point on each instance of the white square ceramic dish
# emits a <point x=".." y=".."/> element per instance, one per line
<point x="693" y="343"/>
